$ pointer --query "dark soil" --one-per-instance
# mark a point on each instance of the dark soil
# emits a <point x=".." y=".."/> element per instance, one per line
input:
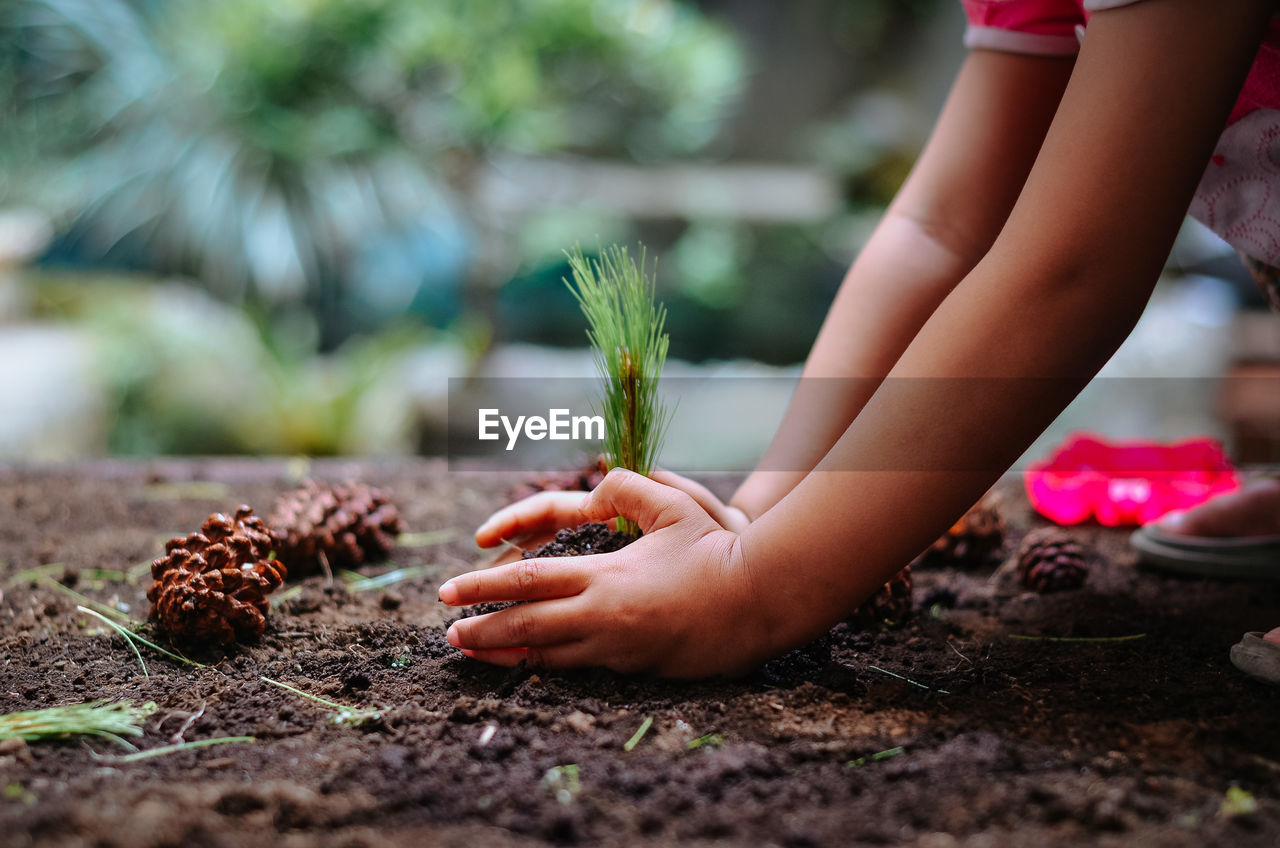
<point x="983" y="738"/>
<point x="582" y="541"/>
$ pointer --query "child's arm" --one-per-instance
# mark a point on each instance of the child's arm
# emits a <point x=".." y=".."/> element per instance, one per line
<point x="943" y="220"/>
<point x="1060" y="288"/>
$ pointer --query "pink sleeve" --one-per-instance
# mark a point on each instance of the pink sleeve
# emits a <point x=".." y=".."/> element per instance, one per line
<point x="1034" y="27"/>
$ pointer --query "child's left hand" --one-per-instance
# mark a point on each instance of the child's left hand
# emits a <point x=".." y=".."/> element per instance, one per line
<point x="678" y="602"/>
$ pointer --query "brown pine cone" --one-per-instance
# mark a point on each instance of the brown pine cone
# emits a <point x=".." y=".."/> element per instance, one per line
<point x="891" y="604"/>
<point x="212" y="586"/>
<point x="583" y="479"/>
<point x="1051" y="561"/>
<point x="972" y="541"/>
<point x="347" y="524"/>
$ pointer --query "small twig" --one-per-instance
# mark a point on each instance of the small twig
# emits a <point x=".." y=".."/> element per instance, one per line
<point x="639" y="734"/>
<point x="1078" y="639"/>
<point x="178" y="738"/>
<point x="907" y="679"/>
<point x="512" y="545"/>
<point x="166" y="750"/>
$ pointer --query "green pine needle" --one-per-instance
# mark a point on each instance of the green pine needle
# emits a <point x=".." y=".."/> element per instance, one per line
<point x="625" y="326"/>
<point x="426" y="538"/>
<point x="93" y="718"/>
<point x="715" y="740"/>
<point x="166" y="750"/>
<point x="361" y="583"/>
<point x="134" y="640"/>
<point x="343" y="715"/>
<point x="875" y="758"/>
<point x="638" y="735"/>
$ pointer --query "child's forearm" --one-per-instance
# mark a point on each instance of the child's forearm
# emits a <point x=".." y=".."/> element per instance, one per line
<point x="898" y="280"/>
<point x="942" y="222"/>
<point x="925" y="448"/>
<point x="1019" y="337"/>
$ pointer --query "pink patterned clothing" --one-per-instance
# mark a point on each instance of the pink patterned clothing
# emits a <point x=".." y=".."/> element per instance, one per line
<point x="1239" y="195"/>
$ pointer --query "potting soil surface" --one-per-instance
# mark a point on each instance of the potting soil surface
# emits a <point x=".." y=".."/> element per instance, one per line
<point x="993" y="716"/>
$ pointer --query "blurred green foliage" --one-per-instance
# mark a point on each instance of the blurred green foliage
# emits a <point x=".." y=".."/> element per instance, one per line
<point x="259" y="146"/>
<point x="315" y="163"/>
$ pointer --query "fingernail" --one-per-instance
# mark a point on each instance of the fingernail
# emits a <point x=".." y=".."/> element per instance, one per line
<point x="449" y="593"/>
<point x="1173" y="520"/>
<point x="467" y="653"/>
<point x="452" y="636"/>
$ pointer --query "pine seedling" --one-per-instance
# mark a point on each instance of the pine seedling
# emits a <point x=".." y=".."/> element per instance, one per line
<point x="625" y="327"/>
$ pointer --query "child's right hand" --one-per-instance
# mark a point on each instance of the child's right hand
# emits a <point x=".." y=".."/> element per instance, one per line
<point x="547" y="512"/>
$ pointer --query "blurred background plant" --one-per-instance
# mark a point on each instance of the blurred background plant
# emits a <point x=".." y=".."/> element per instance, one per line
<point x="279" y="226"/>
<point x="313" y="156"/>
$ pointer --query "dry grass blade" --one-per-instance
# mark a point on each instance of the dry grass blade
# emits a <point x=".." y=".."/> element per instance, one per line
<point x="351" y="716"/>
<point x="287" y="595"/>
<point x="166" y="750"/>
<point x="364" y="584"/>
<point x="915" y="683"/>
<point x="83" y="601"/>
<point x="426" y="539"/>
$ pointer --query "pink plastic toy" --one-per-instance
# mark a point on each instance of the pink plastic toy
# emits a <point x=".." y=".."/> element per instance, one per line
<point x="1127" y="482"/>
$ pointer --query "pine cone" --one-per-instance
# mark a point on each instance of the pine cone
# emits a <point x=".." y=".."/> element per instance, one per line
<point x="212" y="586"/>
<point x="891" y="603"/>
<point x="1051" y="561"/>
<point x="582" y="480"/>
<point x="971" y="541"/>
<point x="347" y="524"/>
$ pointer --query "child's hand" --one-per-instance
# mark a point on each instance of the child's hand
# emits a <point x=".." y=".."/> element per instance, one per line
<point x="547" y="512"/>
<point x="678" y="602"/>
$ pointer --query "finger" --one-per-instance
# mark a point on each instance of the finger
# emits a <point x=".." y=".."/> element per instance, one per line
<point x="506" y="659"/>
<point x="728" y="517"/>
<point x="648" y="503"/>
<point x="570" y="655"/>
<point x="542" y="512"/>
<point x="700" y="493"/>
<point x="523" y="626"/>
<point x="526" y="580"/>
